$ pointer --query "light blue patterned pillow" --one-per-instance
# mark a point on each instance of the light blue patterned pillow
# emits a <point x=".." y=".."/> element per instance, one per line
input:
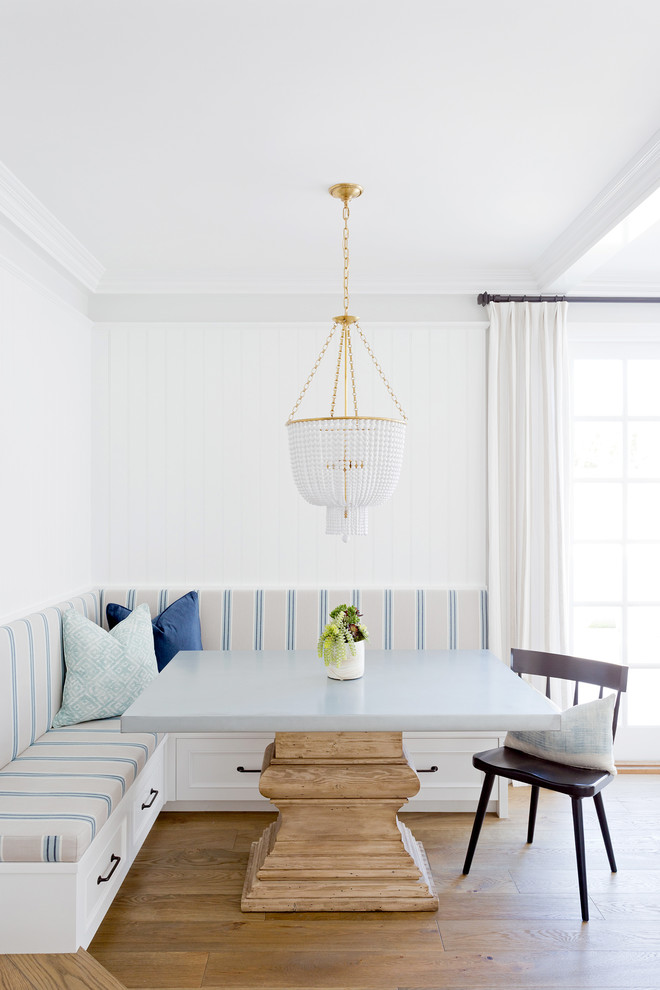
<point x="584" y="739"/>
<point x="105" y="671"/>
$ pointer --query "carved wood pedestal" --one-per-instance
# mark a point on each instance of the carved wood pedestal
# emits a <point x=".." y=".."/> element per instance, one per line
<point x="337" y="844"/>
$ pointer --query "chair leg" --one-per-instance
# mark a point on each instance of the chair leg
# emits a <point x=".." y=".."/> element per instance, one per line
<point x="533" y="805"/>
<point x="578" y="828"/>
<point x="602" y="820"/>
<point x="478" y="819"/>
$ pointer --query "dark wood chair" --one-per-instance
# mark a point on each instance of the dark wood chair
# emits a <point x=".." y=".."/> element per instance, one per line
<point x="574" y="781"/>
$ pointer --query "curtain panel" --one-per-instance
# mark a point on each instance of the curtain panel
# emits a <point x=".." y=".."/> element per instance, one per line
<point x="527" y="475"/>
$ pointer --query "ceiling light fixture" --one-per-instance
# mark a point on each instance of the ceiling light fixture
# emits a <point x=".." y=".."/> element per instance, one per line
<point x="348" y="462"/>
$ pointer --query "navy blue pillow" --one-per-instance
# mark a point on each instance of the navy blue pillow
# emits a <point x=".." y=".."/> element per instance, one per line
<point x="176" y="628"/>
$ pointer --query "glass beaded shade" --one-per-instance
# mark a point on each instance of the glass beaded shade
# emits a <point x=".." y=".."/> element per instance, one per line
<point x="349" y="462"/>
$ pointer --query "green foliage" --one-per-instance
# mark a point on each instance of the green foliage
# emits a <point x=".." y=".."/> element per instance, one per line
<point x="344" y="629"/>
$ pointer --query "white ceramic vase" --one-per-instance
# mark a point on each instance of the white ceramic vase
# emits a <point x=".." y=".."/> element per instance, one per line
<point x="351" y="666"/>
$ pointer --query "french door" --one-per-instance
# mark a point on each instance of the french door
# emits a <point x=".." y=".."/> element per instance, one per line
<point x="615" y="492"/>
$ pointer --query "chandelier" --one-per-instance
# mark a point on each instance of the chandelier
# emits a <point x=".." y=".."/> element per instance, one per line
<point x="351" y="461"/>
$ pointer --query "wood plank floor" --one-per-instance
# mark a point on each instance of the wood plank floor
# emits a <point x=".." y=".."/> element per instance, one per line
<point x="55" y="971"/>
<point x="514" y="922"/>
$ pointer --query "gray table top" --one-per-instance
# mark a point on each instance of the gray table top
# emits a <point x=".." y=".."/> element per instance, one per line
<point x="289" y="691"/>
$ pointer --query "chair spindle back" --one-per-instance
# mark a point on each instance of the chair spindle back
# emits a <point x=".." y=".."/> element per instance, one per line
<point x="605" y="675"/>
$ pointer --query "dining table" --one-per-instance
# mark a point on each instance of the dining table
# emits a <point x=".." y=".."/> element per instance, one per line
<point x="338" y="771"/>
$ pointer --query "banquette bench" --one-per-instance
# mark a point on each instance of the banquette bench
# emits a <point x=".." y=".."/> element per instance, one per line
<point x="76" y="803"/>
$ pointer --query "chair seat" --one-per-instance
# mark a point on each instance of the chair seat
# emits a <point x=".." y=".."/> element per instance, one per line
<point x="511" y="763"/>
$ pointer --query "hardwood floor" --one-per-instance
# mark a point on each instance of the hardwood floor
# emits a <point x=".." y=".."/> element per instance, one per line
<point x="55" y="971"/>
<point x="514" y="922"/>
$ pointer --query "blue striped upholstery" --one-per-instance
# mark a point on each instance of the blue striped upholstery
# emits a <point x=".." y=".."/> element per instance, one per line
<point x="58" y="793"/>
<point x="31" y="673"/>
<point x="31" y="660"/>
<point x="288" y="619"/>
<point x="58" y="787"/>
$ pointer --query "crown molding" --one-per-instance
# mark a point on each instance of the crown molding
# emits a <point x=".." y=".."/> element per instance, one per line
<point x="458" y="283"/>
<point x="32" y="218"/>
<point x="38" y="285"/>
<point x="276" y="326"/>
<point x="627" y="190"/>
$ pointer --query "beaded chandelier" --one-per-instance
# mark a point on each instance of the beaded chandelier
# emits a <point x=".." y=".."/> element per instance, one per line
<point x="348" y="462"/>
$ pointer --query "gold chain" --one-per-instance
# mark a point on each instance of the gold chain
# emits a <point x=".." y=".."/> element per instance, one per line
<point x="380" y="371"/>
<point x="350" y="355"/>
<point x="334" y="391"/>
<point x="313" y="371"/>
<point x="345" y="348"/>
<point x="346" y="216"/>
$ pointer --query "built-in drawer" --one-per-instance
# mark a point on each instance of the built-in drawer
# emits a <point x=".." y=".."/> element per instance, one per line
<point x="225" y="768"/>
<point x="148" y="797"/>
<point x="107" y="868"/>
<point x="444" y="766"/>
<point x="220" y="767"/>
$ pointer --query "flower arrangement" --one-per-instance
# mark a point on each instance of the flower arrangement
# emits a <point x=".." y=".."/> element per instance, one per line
<point x="344" y="628"/>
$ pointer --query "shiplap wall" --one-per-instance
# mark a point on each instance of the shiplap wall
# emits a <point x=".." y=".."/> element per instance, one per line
<point x="191" y="476"/>
<point x="45" y="445"/>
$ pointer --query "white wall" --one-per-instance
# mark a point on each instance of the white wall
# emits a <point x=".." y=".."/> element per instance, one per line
<point x="191" y="477"/>
<point x="45" y="449"/>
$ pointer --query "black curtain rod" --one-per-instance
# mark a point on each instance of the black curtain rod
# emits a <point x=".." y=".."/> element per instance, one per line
<point x="484" y="298"/>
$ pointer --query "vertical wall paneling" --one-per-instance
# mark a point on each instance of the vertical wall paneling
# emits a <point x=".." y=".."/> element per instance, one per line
<point x="156" y="441"/>
<point x="118" y="467"/>
<point x="209" y="384"/>
<point x="197" y="483"/>
<point x="100" y="411"/>
<point x="232" y="459"/>
<point x="137" y="467"/>
<point x="45" y="445"/>
<point x="273" y="537"/>
<point x="193" y="463"/>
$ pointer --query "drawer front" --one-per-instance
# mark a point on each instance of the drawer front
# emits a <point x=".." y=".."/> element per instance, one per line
<point x="444" y="766"/>
<point x="107" y="868"/>
<point x="148" y="798"/>
<point x="207" y="769"/>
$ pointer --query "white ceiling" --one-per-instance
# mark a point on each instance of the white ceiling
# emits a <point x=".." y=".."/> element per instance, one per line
<point x="190" y="143"/>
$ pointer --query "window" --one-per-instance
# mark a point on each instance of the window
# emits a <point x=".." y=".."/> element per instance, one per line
<point x="616" y="525"/>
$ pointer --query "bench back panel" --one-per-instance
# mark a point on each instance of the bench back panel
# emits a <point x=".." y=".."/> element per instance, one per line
<point x="32" y="662"/>
<point x="32" y="673"/>
<point x="290" y="619"/>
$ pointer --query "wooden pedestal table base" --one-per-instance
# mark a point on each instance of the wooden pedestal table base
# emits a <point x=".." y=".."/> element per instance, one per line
<point x="337" y="844"/>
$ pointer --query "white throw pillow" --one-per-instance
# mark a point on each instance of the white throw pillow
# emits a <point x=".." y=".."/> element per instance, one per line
<point x="584" y="739"/>
<point x="105" y="671"/>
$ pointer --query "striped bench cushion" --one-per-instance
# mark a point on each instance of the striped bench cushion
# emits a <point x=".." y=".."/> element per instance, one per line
<point x="58" y="793"/>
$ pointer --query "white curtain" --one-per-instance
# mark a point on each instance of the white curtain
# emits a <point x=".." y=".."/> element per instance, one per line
<point x="527" y="473"/>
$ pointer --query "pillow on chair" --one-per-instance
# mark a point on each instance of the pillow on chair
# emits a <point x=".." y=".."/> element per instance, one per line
<point x="105" y="672"/>
<point x="584" y="739"/>
<point x="176" y="628"/>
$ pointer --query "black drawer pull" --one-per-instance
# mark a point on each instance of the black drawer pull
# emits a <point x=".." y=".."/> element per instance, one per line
<point x="430" y="770"/>
<point x="148" y="804"/>
<point x="115" y="860"/>
<point x="243" y="770"/>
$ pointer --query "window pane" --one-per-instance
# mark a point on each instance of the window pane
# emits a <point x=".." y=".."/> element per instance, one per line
<point x="643" y="390"/>
<point x="597" y="388"/>
<point x="644" y="573"/>
<point x="597" y="634"/>
<point x="644" y="450"/>
<point x="644" y="634"/>
<point x="597" y="573"/>
<point x="597" y="511"/>
<point x="598" y="450"/>
<point x="643" y="695"/>
<point x="644" y="512"/>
